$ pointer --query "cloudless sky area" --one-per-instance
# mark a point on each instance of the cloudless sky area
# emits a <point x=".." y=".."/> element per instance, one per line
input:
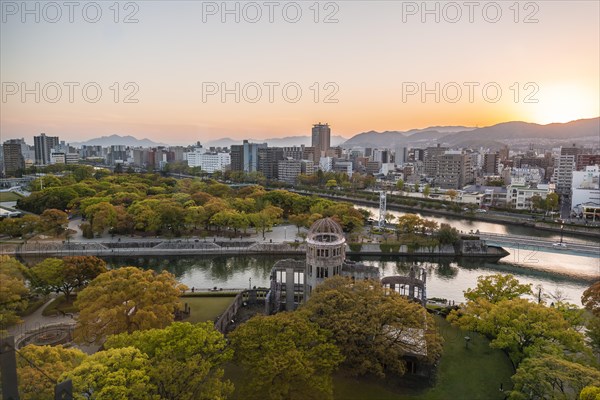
<point x="182" y="71"/>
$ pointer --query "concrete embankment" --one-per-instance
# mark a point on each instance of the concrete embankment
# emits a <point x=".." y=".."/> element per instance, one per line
<point x="466" y="248"/>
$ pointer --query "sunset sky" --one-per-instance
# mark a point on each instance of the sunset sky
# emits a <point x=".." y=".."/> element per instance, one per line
<point x="374" y="61"/>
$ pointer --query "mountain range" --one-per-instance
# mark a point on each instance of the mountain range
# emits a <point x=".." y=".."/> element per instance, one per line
<point x="117" y="140"/>
<point x="584" y="131"/>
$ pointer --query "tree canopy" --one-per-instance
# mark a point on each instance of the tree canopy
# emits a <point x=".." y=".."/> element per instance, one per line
<point x="497" y="287"/>
<point x="186" y="361"/>
<point x="13" y="291"/>
<point x="114" y="374"/>
<point x="50" y="363"/>
<point x="285" y="356"/>
<point x="374" y="329"/>
<point x="124" y="300"/>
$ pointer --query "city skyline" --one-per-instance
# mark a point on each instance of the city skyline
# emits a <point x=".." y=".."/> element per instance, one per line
<point x="385" y="67"/>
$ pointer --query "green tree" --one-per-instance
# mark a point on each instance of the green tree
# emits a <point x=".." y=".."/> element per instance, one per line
<point x="517" y="326"/>
<point x="331" y="184"/>
<point x="537" y="203"/>
<point x="400" y="185"/>
<point x="49" y="362"/>
<point x="186" y="361"/>
<point x="552" y="201"/>
<point x="498" y="287"/>
<point x="12" y="291"/>
<point x="374" y="329"/>
<point x="426" y="191"/>
<point x="550" y="376"/>
<point x="125" y="300"/>
<point x="285" y="356"/>
<point x="114" y="374"/>
<point x="447" y="234"/>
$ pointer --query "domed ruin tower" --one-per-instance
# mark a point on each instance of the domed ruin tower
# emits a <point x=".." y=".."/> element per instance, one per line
<point x="325" y="252"/>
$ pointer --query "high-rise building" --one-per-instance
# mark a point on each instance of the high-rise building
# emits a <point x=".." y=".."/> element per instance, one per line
<point x="430" y="159"/>
<point x="268" y="157"/>
<point x="321" y="139"/>
<point x="401" y="155"/>
<point x="490" y="163"/>
<point x="43" y="146"/>
<point x="14" y="162"/>
<point x="454" y="170"/>
<point x="244" y="157"/>
<point x="503" y="153"/>
<point x="288" y="170"/>
<point x="587" y="160"/>
<point x="565" y="165"/>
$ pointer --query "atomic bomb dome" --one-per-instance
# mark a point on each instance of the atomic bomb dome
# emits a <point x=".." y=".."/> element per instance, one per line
<point x="325" y="252"/>
<point x="325" y="230"/>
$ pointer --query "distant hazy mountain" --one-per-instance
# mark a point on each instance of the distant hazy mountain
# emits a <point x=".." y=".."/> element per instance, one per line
<point x="273" y="142"/>
<point x="584" y="131"/>
<point x="118" y="140"/>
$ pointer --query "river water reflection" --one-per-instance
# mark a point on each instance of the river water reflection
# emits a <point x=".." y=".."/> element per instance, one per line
<point x="446" y="278"/>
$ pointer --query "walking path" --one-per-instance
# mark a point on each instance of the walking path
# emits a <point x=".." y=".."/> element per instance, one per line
<point x="36" y="320"/>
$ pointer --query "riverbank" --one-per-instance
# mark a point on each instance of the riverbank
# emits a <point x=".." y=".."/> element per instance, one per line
<point x="587" y="232"/>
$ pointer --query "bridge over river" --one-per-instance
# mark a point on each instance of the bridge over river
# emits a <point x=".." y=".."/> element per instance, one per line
<point x="571" y="245"/>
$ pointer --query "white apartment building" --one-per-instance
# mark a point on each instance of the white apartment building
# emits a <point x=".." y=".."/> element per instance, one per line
<point x="209" y="162"/>
<point x="519" y="194"/>
<point x="585" y="192"/>
<point x="563" y="173"/>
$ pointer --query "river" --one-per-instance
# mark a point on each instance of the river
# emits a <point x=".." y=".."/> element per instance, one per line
<point x="445" y="278"/>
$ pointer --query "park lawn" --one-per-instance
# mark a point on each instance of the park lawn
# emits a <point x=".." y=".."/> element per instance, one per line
<point x="9" y="196"/>
<point x="59" y="306"/>
<point x="473" y="373"/>
<point x="206" y="308"/>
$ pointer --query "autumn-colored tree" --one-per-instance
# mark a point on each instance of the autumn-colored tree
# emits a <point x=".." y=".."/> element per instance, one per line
<point x="590" y="393"/>
<point x="300" y="220"/>
<point x="591" y="298"/>
<point x="374" y="329"/>
<point x="186" y="361"/>
<point x="54" y="221"/>
<point x="49" y="363"/>
<point x="410" y="223"/>
<point x="453" y="194"/>
<point x="115" y="374"/>
<point x="66" y="275"/>
<point x="498" y="287"/>
<point x="12" y="291"/>
<point x="102" y="216"/>
<point x="125" y="300"/>
<point x="285" y="356"/>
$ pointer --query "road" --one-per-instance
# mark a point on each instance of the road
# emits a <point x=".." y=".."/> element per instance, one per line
<point x="573" y="246"/>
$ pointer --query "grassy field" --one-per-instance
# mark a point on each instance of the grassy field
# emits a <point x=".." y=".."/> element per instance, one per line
<point x="206" y="308"/>
<point x="9" y="196"/>
<point x="464" y="373"/>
